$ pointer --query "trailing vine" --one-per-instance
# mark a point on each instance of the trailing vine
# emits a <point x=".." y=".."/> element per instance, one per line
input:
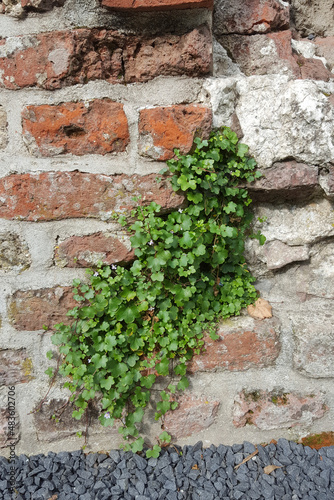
<point x="189" y="271"/>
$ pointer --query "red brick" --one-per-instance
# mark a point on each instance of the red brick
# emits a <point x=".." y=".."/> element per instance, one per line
<point x="151" y="5"/>
<point x="243" y="343"/>
<point x="86" y="251"/>
<point x="80" y="128"/>
<point x="277" y="409"/>
<point x="63" y="195"/>
<point x="164" y="129"/>
<point x="15" y="367"/>
<point x="31" y="309"/>
<point x="318" y="441"/>
<point x="193" y="415"/>
<point x="251" y="16"/>
<point x="60" y="58"/>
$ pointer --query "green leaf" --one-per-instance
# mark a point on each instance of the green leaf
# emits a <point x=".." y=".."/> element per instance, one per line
<point x="165" y="437"/>
<point x="186" y="240"/>
<point x="107" y="383"/>
<point x="200" y="250"/>
<point x="230" y="207"/>
<point x="242" y="150"/>
<point x="110" y="342"/>
<point x="137" y="445"/>
<point x="155" y="452"/>
<point x="183" y="384"/>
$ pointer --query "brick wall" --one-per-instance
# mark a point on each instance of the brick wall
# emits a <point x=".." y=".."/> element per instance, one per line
<point x="93" y="100"/>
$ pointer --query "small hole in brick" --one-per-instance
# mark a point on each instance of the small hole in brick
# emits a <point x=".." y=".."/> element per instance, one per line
<point x="73" y="131"/>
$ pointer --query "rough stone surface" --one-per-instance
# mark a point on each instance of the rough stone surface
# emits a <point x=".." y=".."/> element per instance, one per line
<point x="98" y="127"/>
<point x="153" y="5"/>
<point x="314" y="345"/>
<point x="316" y="17"/>
<point x="326" y="181"/>
<point x="14" y="253"/>
<point x="61" y="195"/>
<point x="297" y="121"/>
<point x="288" y="180"/>
<point x="164" y="129"/>
<point x="243" y="343"/>
<point x="321" y="277"/>
<point x="15" y="367"/>
<point x="294" y="224"/>
<point x="86" y="251"/>
<point x="3" y="128"/>
<point x="60" y="58"/>
<point x="8" y="436"/>
<point x="32" y="309"/>
<point x="250" y="16"/>
<point x="277" y="409"/>
<point x="193" y="415"/>
<point x="279" y="254"/>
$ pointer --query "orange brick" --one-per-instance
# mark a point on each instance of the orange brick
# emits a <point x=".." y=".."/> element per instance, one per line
<point x="165" y="128"/>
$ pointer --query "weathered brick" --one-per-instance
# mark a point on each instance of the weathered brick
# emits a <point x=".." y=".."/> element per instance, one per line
<point x="15" y="367"/>
<point x="325" y="48"/>
<point x="271" y="53"/>
<point x="62" y="195"/>
<point x="250" y="16"/>
<point x="288" y="180"/>
<point x="86" y="251"/>
<point x="318" y="441"/>
<point x="7" y="439"/>
<point x="165" y="128"/>
<point x="169" y="55"/>
<point x="80" y="128"/>
<point x="3" y="128"/>
<point x="193" y="414"/>
<point x="262" y="54"/>
<point x="314" y="346"/>
<point x="63" y="425"/>
<point x="152" y="5"/>
<point x="313" y="69"/>
<point x="60" y="58"/>
<point x="277" y="409"/>
<point x="32" y="309"/>
<point x="243" y="343"/>
<point x="14" y="253"/>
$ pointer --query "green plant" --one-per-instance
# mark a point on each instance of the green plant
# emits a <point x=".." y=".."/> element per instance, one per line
<point x="189" y="271"/>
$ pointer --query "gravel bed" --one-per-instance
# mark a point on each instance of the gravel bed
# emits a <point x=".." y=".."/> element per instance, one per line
<point x="193" y="473"/>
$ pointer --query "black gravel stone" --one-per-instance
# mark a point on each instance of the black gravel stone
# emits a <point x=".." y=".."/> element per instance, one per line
<point x="198" y="473"/>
